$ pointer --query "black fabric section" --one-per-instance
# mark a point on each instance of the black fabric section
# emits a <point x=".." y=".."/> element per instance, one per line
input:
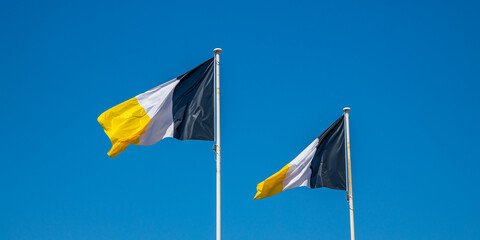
<point x="328" y="164"/>
<point x="193" y="104"/>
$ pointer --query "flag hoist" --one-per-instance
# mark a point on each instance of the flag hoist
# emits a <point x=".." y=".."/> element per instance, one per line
<point x="322" y="164"/>
<point x="186" y="108"/>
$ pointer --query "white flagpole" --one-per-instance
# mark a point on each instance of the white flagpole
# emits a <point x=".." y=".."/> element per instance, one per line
<point x="218" y="149"/>
<point x="349" y="160"/>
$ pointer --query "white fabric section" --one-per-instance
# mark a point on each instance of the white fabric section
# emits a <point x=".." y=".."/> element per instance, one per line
<point x="299" y="171"/>
<point x="157" y="102"/>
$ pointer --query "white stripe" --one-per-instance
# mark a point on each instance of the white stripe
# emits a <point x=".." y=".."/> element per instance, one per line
<point x="157" y="102"/>
<point x="299" y="171"/>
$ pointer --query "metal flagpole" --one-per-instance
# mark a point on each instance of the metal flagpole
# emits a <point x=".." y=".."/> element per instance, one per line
<point x="218" y="149"/>
<point x="349" y="160"/>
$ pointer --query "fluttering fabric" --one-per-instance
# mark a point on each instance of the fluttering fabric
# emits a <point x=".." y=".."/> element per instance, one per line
<point x="321" y="164"/>
<point x="182" y="108"/>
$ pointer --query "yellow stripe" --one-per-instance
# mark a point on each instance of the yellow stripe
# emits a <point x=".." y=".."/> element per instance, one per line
<point x="272" y="185"/>
<point x="124" y="124"/>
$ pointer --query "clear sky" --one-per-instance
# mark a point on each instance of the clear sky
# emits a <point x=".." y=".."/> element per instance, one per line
<point x="410" y="71"/>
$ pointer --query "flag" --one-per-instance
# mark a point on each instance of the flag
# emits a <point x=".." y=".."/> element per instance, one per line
<point x="321" y="164"/>
<point x="182" y="108"/>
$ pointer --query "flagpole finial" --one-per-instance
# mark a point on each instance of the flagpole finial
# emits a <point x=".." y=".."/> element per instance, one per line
<point x="346" y="109"/>
<point x="217" y="50"/>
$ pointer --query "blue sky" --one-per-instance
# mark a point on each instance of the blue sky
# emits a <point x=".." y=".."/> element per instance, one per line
<point x="409" y="70"/>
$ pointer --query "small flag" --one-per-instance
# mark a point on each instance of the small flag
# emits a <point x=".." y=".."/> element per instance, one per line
<point x="182" y="108"/>
<point x="321" y="164"/>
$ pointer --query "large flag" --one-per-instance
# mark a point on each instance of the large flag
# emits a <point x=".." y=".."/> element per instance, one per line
<point x="182" y="108"/>
<point x="321" y="164"/>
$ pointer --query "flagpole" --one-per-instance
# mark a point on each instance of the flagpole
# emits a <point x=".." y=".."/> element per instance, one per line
<point x="217" y="141"/>
<point x="349" y="160"/>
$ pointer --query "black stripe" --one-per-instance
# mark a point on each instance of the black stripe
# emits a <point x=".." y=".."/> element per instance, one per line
<point x="328" y="164"/>
<point x="193" y="104"/>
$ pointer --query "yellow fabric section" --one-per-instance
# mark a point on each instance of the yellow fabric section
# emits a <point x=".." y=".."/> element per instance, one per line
<point x="272" y="185"/>
<point x="124" y="124"/>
